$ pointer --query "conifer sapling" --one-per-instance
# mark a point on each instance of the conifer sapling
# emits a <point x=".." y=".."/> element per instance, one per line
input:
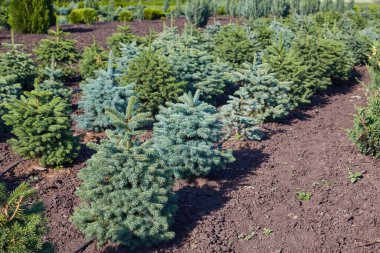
<point x="126" y="192"/>
<point x="188" y="136"/>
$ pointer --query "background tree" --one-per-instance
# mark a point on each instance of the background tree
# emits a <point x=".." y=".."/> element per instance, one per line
<point x="198" y="12"/>
<point x="31" y="16"/>
<point x="188" y="136"/>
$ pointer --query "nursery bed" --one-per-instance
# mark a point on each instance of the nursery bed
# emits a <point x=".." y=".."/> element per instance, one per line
<point x="227" y="212"/>
<point x="84" y="34"/>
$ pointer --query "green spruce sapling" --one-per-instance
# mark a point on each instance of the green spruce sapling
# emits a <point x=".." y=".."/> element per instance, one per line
<point x="18" y="63"/>
<point x="22" y="223"/>
<point x="62" y="50"/>
<point x="126" y="192"/>
<point x="155" y="82"/>
<point x="288" y="67"/>
<point x="42" y="128"/>
<point x="233" y="45"/>
<point x="188" y="136"/>
<point x="94" y="57"/>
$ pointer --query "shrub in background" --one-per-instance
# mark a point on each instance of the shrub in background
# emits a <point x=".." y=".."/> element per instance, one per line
<point x="126" y="194"/>
<point x="125" y="15"/>
<point x="153" y="14"/>
<point x="31" y="16"/>
<point x="233" y="45"/>
<point x="62" y="50"/>
<point x="188" y="136"/>
<point x="198" y="12"/>
<point x="99" y="94"/>
<point x="83" y="16"/>
<point x="374" y="66"/>
<point x="42" y="128"/>
<point x="366" y="130"/>
<point x="94" y="57"/>
<point x="21" y="220"/>
<point x="155" y="82"/>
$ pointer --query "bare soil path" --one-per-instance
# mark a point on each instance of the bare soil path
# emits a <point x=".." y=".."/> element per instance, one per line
<point x="308" y="151"/>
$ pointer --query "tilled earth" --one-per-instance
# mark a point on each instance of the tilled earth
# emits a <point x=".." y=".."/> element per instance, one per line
<point x="308" y="151"/>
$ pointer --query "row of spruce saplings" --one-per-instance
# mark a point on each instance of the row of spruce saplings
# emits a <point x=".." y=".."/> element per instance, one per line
<point x="126" y="192"/>
<point x="37" y="16"/>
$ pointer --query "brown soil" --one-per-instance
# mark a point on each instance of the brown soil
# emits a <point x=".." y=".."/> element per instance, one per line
<point x="227" y="212"/>
<point x="84" y="34"/>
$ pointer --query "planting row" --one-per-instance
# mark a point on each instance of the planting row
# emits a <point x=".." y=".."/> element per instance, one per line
<point x="166" y="102"/>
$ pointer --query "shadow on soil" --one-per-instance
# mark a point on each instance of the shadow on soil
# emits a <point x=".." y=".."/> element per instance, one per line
<point x="195" y="202"/>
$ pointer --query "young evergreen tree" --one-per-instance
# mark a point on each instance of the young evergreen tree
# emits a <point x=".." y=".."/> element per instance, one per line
<point x="22" y="224"/>
<point x="31" y="16"/>
<point x="188" y="136"/>
<point x="126" y="193"/>
<point x="99" y="94"/>
<point x="269" y="97"/>
<point x="288" y="67"/>
<point x="16" y="62"/>
<point x="155" y="82"/>
<point x="94" y="57"/>
<point x="53" y="84"/>
<point x="62" y="50"/>
<point x="128" y="53"/>
<point x="365" y="132"/>
<point x="240" y="125"/>
<point x="123" y="36"/>
<point x="9" y="90"/>
<point x="233" y="45"/>
<point x="42" y="128"/>
<point x="200" y="70"/>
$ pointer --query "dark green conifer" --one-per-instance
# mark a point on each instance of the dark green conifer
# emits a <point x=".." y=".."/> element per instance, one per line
<point x="154" y="80"/>
<point x="22" y="223"/>
<point x="233" y="45"/>
<point x="94" y="58"/>
<point x="42" y="128"/>
<point x="62" y="50"/>
<point x="289" y="68"/>
<point x="31" y="16"/>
